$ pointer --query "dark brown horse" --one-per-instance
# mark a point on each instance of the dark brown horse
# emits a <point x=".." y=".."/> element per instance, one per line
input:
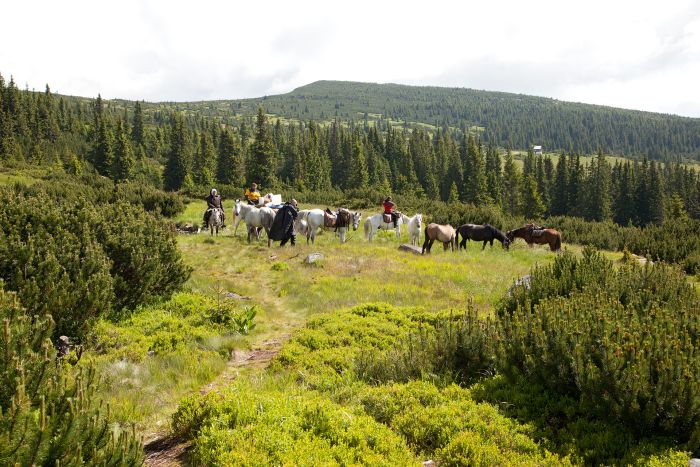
<point x="481" y="233"/>
<point x="539" y="236"/>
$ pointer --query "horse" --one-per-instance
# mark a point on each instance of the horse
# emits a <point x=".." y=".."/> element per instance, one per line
<point x="443" y="233"/>
<point x="413" y="225"/>
<point x="376" y="222"/>
<point x="314" y="219"/>
<point x="548" y="236"/>
<point x="486" y="233"/>
<point x="216" y="220"/>
<point x="254" y="218"/>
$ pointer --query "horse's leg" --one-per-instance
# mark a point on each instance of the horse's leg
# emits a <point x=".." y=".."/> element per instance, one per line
<point x="484" y="246"/>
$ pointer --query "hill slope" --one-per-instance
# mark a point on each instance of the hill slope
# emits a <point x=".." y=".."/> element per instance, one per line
<point x="514" y="119"/>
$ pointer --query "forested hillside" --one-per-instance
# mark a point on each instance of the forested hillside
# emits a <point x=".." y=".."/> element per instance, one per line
<point x="505" y="119"/>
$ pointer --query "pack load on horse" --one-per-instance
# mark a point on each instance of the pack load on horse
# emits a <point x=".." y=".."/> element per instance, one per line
<point x="272" y="201"/>
<point x="532" y="233"/>
<point x="252" y="195"/>
<point x="340" y="221"/>
<point x="481" y="233"/>
<point x="214" y="204"/>
<point x="283" y="226"/>
<point x="442" y="233"/>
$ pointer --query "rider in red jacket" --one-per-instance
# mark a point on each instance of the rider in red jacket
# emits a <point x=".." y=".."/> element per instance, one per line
<point x="389" y="209"/>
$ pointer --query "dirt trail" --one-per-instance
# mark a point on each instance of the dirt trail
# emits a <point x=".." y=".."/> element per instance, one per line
<point x="164" y="451"/>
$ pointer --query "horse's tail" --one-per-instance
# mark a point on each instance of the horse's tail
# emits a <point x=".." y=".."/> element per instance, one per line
<point x="367" y="227"/>
<point x="557" y="242"/>
<point x="457" y="238"/>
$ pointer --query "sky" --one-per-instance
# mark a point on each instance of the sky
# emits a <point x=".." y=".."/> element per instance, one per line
<point x="633" y="54"/>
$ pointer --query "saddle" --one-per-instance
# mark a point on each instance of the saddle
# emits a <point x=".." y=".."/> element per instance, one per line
<point x="537" y="232"/>
<point x="387" y="218"/>
<point x="330" y="219"/>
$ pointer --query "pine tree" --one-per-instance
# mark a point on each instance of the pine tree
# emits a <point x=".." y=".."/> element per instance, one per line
<point x="137" y="125"/>
<point x="123" y="161"/>
<point x="560" y="201"/>
<point x="231" y="165"/>
<point x="359" y="176"/>
<point x="262" y="167"/>
<point x="177" y="167"/>
<point x="532" y="205"/>
<point x="101" y="154"/>
<point x="454" y="194"/>
<point x="475" y="186"/>
<point x="656" y="194"/>
<point x="205" y="161"/>
<point x="511" y="185"/>
<point x="493" y="174"/>
<point x="597" y="196"/>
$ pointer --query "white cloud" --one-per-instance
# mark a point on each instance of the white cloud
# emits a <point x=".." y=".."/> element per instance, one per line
<point x="637" y="54"/>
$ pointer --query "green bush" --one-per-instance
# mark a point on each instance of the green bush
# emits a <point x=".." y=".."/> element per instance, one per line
<point x="624" y="341"/>
<point x="78" y="260"/>
<point x="48" y="413"/>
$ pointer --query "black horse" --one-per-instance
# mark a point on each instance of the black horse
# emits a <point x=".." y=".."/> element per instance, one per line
<point x="481" y="233"/>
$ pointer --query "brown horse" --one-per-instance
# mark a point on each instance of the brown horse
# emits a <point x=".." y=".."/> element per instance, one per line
<point x="443" y="233"/>
<point x="527" y="233"/>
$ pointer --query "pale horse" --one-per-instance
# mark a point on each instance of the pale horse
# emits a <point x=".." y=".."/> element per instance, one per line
<point x="216" y="220"/>
<point x="413" y="225"/>
<point x="310" y="220"/>
<point x="376" y="222"/>
<point x="254" y="218"/>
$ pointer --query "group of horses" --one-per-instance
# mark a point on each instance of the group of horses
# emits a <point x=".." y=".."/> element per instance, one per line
<point x="309" y="221"/>
<point x="449" y="236"/>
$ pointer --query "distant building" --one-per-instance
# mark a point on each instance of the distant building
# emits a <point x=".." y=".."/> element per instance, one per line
<point x="537" y="150"/>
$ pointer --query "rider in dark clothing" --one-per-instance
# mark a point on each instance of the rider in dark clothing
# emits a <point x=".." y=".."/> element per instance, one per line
<point x="214" y="201"/>
<point x="283" y="225"/>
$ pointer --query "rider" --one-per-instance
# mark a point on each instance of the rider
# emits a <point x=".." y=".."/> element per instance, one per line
<point x="214" y="201"/>
<point x="389" y="209"/>
<point x="252" y="195"/>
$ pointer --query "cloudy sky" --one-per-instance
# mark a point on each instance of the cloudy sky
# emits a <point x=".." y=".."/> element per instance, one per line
<point x="635" y="54"/>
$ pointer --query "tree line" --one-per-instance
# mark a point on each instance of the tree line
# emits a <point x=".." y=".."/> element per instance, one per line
<point x="123" y="141"/>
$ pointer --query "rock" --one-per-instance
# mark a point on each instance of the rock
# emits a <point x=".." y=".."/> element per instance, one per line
<point x="235" y="296"/>
<point x="694" y="463"/>
<point x="410" y="248"/>
<point x="312" y="258"/>
<point x="429" y="463"/>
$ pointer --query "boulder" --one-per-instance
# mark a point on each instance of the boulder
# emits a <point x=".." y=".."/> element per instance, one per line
<point x="312" y="258"/>
<point x="410" y="248"/>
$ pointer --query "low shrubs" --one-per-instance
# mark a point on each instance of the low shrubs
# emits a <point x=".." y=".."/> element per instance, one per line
<point x="78" y="259"/>
<point x="48" y="410"/>
<point x="624" y="341"/>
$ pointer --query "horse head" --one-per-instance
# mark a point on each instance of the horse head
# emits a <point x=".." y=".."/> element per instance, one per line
<point x="356" y="216"/>
<point x="237" y="208"/>
<point x="506" y="243"/>
<point x="510" y="236"/>
<point x="419" y="220"/>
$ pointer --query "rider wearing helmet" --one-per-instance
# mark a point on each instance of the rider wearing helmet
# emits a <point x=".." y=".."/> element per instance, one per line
<point x="214" y="201"/>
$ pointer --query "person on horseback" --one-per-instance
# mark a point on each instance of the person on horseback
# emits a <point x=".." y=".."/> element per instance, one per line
<point x="389" y="209"/>
<point x="252" y="195"/>
<point x="214" y="201"/>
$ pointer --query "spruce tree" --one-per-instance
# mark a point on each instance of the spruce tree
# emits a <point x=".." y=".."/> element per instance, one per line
<point x="137" y="125"/>
<point x="204" y="164"/>
<point x="123" y="161"/>
<point x="560" y="200"/>
<point x="101" y="154"/>
<point x="475" y="186"/>
<point x="231" y="166"/>
<point x="511" y="185"/>
<point x="262" y="167"/>
<point x="177" y="167"/>
<point x="656" y="194"/>
<point x="532" y="205"/>
<point x="359" y="176"/>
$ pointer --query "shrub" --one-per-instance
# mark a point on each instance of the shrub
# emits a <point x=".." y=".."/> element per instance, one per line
<point x="48" y="413"/>
<point x="624" y="341"/>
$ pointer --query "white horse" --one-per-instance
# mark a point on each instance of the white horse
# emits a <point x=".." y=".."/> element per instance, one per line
<point x="313" y="219"/>
<point x="376" y="222"/>
<point x="254" y="218"/>
<point x="413" y="225"/>
<point x="216" y="220"/>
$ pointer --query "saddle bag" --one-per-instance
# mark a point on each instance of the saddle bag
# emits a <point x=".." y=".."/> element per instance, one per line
<point x="387" y="218"/>
<point x="329" y="219"/>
